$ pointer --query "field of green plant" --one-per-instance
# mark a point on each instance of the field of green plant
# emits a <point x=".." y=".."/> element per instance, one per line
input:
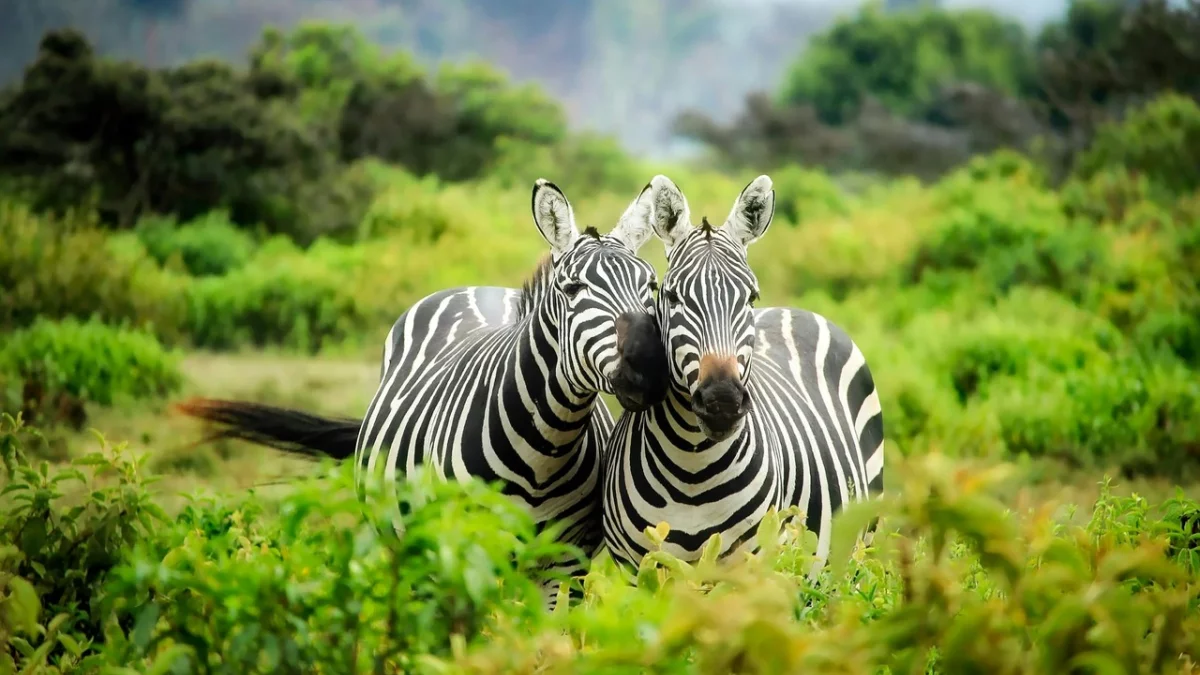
<point x="1034" y="335"/>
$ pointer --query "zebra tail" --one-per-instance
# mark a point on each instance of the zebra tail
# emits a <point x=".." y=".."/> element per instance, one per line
<point x="292" y="431"/>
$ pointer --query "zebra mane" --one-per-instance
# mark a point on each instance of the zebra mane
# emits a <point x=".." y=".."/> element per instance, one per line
<point x="706" y="227"/>
<point x="533" y="287"/>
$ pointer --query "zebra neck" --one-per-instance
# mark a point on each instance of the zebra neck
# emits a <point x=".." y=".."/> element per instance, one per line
<point x="534" y="384"/>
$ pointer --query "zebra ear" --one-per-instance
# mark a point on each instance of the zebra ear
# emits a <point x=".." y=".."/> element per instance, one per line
<point x="670" y="216"/>
<point x="634" y="227"/>
<point x="554" y="217"/>
<point x="752" y="211"/>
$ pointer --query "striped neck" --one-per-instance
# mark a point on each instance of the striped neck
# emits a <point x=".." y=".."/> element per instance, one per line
<point x="547" y="412"/>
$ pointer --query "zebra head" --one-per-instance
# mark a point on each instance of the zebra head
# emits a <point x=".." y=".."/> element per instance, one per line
<point x="706" y="303"/>
<point x="608" y="338"/>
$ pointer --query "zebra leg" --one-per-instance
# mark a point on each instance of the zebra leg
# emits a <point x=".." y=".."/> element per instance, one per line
<point x="562" y="571"/>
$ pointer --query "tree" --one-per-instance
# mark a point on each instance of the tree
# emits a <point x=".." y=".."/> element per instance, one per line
<point x="903" y="59"/>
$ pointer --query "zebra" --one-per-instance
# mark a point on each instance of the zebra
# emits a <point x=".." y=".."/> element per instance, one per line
<point x="766" y="407"/>
<point x="502" y="384"/>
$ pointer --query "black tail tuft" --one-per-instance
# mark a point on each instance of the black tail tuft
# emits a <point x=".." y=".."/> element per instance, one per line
<point x="292" y="431"/>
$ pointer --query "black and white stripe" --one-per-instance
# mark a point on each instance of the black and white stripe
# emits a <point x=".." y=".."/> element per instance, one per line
<point x="766" y="407"/>
<point x="501" y="384"/>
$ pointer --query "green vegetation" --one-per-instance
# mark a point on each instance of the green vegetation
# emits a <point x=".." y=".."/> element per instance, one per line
<point x="50" y="368"/>
<point x="253" y="232"/>
<point x="960" y="583"/>
<point x="919" y="91"/>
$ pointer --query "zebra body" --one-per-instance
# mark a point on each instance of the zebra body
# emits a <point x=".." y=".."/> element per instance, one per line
<point x="502" y="384"/>
<point x="770" y="407"/>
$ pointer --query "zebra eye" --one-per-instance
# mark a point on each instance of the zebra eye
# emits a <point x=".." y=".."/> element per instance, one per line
<point x="653" y="286"/>
<point x="753" y="297"/>
<point x="672" y="296"/>
<point x="573" y="288"/>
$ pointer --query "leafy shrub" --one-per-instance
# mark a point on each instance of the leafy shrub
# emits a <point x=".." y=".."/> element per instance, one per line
<point x="802" y="194"/>
<point x="57" y="268"/>
<point x="1008" y="233"/>
<point x="1160" y="140"/>
<point x="1106" y="196"/>
<point x="57" y="551"/>
<point x="317" y="586"/>
<point x="281" y="298"/>
<point x="1148" y="286"/>
<point x="207" y="246"/>
<point x="960" y="584"/>
<point x="56" y="363"/>
<point x="1141" y="418"/>
<point x="410" y="207"/>
<point x="580" y="162"/>
<point x="956" y="581"/>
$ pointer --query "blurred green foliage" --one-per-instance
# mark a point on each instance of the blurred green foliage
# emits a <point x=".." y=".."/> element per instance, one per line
<point x="273" y="144"/>
<point x="903" y="58"/>
<point x="920" y="90"/>
<point x="51" y="369"/>
<point x="95" y="578"/>
<point x="207" y="246"/>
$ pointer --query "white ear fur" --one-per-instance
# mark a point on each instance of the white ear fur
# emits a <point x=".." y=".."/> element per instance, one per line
<point x="671" y="217"/>
<point x="634" y="227"/>
<point x="554" y="217"/>
<point x="752" y="211"/>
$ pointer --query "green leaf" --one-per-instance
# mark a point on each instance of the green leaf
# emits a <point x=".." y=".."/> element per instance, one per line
<point x="169" y="659"/>
<point x="847" y="526"/>
<point x="70" y="644"/>
<point x="143" y="629"/>
<point x="647" y="575"/>
<point x="768" y="532"/>
<point x="712" y="549"/>
<point x="23" y="605"/>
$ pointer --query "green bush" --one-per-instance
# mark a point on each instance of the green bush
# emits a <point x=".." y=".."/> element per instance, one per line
<point x="283" y="297"/>
<point x="50" y="371"/>
<point x="58" y="550"/>
<point x="956" y="581"/>
<point x="1008" y="233"/>
<point x="315" y="585"/>
<point x="803" y="193"/>
<point x="1143" y="418"/>
<point x="207" y="246"/>
<point x="1160" y="141"/>
<point x="91" y="361"/>
<point x="579" y="162"/>
<point x="57" y="268"/>
<point x="1148" y="285"/>
<point x="1028" y="331"/>
<point x="412" y="208"/>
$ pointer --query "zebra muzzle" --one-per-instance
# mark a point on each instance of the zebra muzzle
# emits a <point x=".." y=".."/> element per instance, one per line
<point x="641" y="376"/>
<point x="720" y="405"/>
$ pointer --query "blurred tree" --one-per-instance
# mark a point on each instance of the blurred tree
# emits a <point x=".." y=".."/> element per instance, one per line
<point x="1107" y="55"/>
<point x="180" y="141"/>
<point x="902" y="59"/>
<point x="920" y="91"/>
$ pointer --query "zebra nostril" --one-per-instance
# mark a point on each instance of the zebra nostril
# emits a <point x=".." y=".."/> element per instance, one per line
<point x="698" y="399"/>
<point x="745" y="405"/>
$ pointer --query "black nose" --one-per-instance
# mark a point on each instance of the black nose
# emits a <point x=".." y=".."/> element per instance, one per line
<point x="720" y="403"/>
